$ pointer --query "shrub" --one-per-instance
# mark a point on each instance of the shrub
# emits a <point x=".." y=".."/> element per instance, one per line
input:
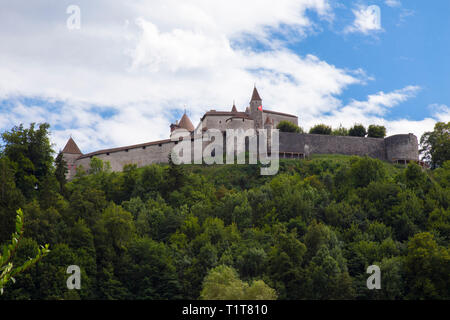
<point x="376" y="131"/>
<point x="341" y="131"/>
<point x="358" y="130"/>
<point x="286" y="126"/>
<point x="320" y="129"/>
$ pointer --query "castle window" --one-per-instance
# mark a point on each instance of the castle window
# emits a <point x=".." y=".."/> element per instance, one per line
<point x="143" y="147"/>
<point x="176" y="142"/>
<point x="126" y="150"/>
<point x="107" y="153"/>
<point x="159" y="145"/>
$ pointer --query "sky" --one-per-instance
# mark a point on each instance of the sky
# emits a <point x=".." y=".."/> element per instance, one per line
<point x="115" y="73"/>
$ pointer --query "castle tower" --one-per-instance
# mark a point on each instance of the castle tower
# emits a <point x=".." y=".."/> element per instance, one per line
<point x="234" y="108"/>
<point x="185" y="123"/>
<point x="256" y="109"/>
<point x="71" y="153"/>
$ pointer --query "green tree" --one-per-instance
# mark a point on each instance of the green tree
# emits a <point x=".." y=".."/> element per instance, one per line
<point x="11" y="198"/>
<point x="150" y="273"/>
<point x="287" y="126"/>
<point x="320" y="129"/>
<point x="358" y="130"/>
<point x="341" y="131"/>
<point x="96" y="165"/>
<point x="7" y="269"/>
<point x="415" y="177"/>
<point x="375" y="131"/>
<point x="175" y="176"/>
<point x="366" y="170"/>
<point x="223" y="283"/>
<point x="61" y="171"/>
<point x="435" y="145"/>
<point x="31" y="150"/>
<point x="117" y="226"/>
<point x="427" y="266"/>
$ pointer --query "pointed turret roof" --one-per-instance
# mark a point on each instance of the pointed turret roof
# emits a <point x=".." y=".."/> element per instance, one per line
<point x="71" y="147"/>
<point x="234" y="108"/>
<point x="255" y="95"/>
<point x="186" y="123"/>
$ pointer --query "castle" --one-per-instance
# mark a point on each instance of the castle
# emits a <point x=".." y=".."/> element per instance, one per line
<point x="401" y="148"/>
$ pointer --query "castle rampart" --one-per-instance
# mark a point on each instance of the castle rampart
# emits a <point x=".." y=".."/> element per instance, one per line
<point x="402" y="147"/>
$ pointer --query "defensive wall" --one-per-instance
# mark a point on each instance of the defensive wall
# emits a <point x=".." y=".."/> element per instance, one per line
<point x="400" y="148"/>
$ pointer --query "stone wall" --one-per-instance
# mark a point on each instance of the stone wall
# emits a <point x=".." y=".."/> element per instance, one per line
<point x="141" y="156"/>
<point x="402" y="147"/>
<point x="327" y="144"/>
<point x="398" y="147"/>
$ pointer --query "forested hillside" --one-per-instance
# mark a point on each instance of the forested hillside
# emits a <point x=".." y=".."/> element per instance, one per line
<point x="158" y="232"/>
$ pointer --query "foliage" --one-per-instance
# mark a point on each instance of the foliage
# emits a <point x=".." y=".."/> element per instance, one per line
<point x="30" y="149"/>
<point x="61" y="171"/>
<point x="341" y="131"/>
<point x="320" y="129"/>
<point x="287" y="126"/>
<point x="358" y="130"/>
<point x="223" y="283"/>
<point x="7" y="269"/>
<point x="224" y="231"/>
<point x="375" y="131"/>
<point x="436" y="144"/>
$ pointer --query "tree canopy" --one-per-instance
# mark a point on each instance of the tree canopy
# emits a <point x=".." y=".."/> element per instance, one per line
<point x="287" y="126"/>
<point x="436" y="144"/>
<point x="358" y="130"/>
<point x="320" y="129"/>
<point x="375" y="131"/>
<point x="224" y="231"/>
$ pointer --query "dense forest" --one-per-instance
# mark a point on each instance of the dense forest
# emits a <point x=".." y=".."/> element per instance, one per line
<point x="225" y="231"/>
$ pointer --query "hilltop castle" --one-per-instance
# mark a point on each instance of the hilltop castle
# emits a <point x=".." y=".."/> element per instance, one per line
<point x="399" y="148"/>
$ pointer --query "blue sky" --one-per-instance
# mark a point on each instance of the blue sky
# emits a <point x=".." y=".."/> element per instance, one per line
<point x="133" y="67"/>
<point x="414" y="48"/>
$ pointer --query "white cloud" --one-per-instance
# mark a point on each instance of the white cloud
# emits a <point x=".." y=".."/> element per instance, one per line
<point x="441" y="112"/>
<point x="371" y="111"/>
<point x="393" y="3"/>
<point x="378" y="104"/>
<point x="367" y="20"/>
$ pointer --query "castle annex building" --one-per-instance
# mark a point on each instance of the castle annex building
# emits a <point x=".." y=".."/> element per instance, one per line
<point x="398" y="148"/>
